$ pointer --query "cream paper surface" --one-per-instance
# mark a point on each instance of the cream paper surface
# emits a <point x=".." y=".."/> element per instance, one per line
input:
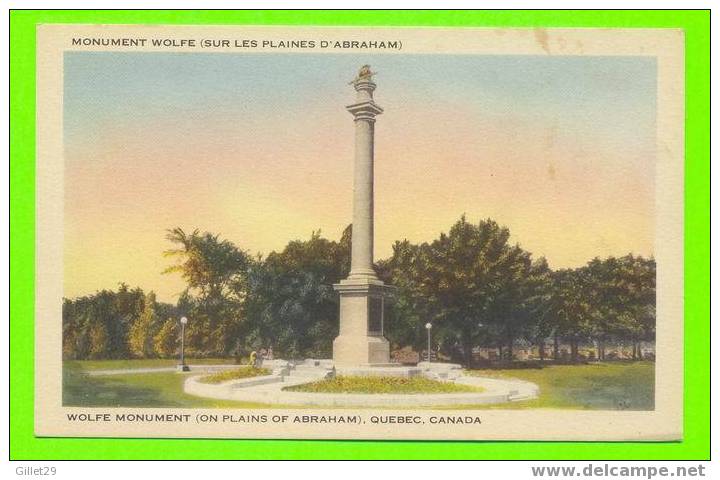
<point x="664" y="423"/>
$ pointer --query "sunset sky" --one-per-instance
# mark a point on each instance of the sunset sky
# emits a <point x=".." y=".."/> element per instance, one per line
<point x="259" y="148"/>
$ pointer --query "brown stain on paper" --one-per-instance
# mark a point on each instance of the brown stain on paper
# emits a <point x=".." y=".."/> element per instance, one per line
<point x="541" y="37"/>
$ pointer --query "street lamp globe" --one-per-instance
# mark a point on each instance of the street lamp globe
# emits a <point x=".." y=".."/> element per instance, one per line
<point x="183" y="320"/>
<point x="428" y="325"/>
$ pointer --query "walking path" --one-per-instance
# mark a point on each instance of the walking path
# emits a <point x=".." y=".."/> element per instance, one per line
<point x="269" y="390"/>
<point x="130" y="371"/>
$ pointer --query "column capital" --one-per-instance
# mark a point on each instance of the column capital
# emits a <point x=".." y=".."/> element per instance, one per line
<point x="364" y="107"/>
<point x="365" y="110"/>
<point x="364" y="86"/>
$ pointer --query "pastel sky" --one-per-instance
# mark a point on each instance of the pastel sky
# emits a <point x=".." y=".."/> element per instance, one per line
<point x="259" y="148"/>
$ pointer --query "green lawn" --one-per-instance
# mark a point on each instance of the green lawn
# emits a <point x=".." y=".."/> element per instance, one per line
<point x="601" y="386"/>
<point x="381" y="385"/>
<point x="606" y="386"/>
<point x="143" y="363"/>
<point x="163" y="389"/>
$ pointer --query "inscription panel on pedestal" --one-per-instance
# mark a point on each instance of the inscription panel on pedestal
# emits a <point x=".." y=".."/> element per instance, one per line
<point x="375" y="316"/>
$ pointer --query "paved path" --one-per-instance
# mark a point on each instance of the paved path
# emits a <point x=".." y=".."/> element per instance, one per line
<point x="130" y="371"/>
<point x="270" y="391"/>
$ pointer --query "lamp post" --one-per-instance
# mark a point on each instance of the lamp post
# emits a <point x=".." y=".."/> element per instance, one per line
<point x="428" y="327"/>
<point x="182" y="367"/>
<point x="481" y="326"/>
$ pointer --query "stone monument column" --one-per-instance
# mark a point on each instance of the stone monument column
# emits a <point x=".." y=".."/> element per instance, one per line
<point x="364" y="112"/>
<point x="362" y="294"/>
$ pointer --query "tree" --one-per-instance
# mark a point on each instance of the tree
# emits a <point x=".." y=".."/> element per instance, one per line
<point x="470" y="283"/>
<point x="98" y="337"/>
<point x="408" y="310"/>
<point x="291" y="303"/>
<point x="116" y="312"/>
<point x="543" y="324"/>
<point x="516" y="307"/>
<point x="71" y="331"/>
<point x="166" y="340"/>
<point x="574" y="318"/>
<point x="123" y="309"/>
<point x="622" y="294"/>
<point x="210" y="266"/>
<point x="140" y="338"/>
<point x="216" y="272"/>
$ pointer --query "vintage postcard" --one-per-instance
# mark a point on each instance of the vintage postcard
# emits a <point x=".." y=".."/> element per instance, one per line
<point x="359" y="233"/>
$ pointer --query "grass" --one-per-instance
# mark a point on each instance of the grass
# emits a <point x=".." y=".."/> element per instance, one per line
<point x="600" y="386"/>
<point x="235" y="374"/>
<point x="162" y="389"/>
<point x="352" y="384"/>
<point x="143" y="363"/>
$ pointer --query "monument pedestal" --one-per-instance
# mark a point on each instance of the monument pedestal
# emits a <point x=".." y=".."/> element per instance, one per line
<point x="362" y="306"/>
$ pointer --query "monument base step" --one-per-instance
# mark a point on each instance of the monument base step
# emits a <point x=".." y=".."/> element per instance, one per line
<point x="310" y="375"/>
<point x="316" y="362"/>
<point x="379" y="370"/>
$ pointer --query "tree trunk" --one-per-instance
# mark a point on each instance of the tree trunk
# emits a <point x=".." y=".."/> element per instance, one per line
<point x="467" y="349"/>
<point x="601" y="349"/>
<point x="556" y="348"/>
<point x="574" y="350"/>
<point x="511" y="340"/>
<point x="541" y="350"/>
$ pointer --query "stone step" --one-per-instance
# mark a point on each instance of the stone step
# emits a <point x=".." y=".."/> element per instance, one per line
<point x="309" y="374"/>
<point x="304" y="367"/>
<point x="447" y="376"/>
<point x="255" y="381"/>
<point x="275" y="363"/>
<point x="313" y="362"/>
<point x="290" y="381"/>
<point x="520" y="398"/>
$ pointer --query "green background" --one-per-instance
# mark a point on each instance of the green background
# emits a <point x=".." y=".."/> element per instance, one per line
<point x="696" y="444"/>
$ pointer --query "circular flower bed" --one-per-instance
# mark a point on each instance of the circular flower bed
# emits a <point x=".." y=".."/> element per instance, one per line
<point x="370" y="384"/>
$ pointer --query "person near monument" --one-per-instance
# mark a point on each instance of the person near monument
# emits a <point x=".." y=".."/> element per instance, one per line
<point x="253" y="359"/>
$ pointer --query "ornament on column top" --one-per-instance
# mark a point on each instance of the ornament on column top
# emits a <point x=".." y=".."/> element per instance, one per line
<point x="365" y="74"/>
<point x="364" y="108"/>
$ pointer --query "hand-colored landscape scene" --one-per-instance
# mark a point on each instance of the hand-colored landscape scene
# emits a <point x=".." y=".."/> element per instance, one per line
<point x="299" y="231"/>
